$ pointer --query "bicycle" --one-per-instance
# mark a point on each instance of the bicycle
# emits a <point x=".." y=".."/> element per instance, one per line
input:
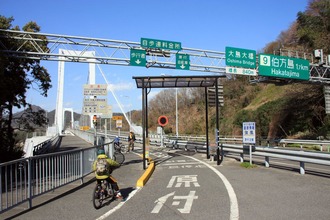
<point x="118" y="155"/>
<point x="120" y="147"/>
<point x="101" y="193"/>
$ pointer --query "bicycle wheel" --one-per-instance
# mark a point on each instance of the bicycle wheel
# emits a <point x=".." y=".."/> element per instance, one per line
<point x="111" y="192"/>
<point x="119" y="157"/>
<point x="123" y="148"/>
<point x="97" y="197"/>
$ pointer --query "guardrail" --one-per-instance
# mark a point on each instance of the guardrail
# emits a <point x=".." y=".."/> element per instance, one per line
<point x="241" y="150"/>
<point x="46" y="146"/>
<point x="303" y="143"/>
<point x="293" y="155"/>
<point x="22" y="180"/>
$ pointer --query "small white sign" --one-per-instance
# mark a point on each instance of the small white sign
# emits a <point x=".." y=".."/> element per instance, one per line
<point x="98" y="106"/>
<point x="95" y="90"/>
<point x="119" y="123"/>
<point x="241" y="71"/>
<point x="249" y="132"/>
<point x="108" y="114"/>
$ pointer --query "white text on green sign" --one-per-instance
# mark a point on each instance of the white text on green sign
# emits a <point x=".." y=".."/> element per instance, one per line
<point x="240" y="57"/>
<point x="182" y="61"/>
<point x="160" y="44"/>
<point x="138" y="57"/>
<point x="283" y="67"/>
<point x="241" y="71"/>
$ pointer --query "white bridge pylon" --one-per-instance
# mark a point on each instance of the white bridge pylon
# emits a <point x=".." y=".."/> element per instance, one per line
<point x="59" y="113"/>
<point x="72" y="118"/>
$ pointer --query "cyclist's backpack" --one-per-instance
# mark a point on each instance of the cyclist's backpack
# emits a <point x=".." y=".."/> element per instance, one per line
<point x="101" y="166"/>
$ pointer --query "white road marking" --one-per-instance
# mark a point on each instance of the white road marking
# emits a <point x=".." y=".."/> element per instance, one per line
<point x="234" y="213"/>
<point x="173" y="164"/>
<point x="107" y="214"/>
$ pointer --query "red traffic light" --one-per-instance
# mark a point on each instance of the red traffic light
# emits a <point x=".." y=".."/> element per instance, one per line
<point x="162" y="120"/>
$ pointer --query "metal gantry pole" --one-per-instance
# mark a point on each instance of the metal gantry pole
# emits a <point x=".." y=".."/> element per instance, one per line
<point x="143" y="125"/>
<point x="207" y="124"/>
<point x="217" y="120"/>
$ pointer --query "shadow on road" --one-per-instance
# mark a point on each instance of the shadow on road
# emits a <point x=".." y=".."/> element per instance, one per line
<point x="90" y="181"/>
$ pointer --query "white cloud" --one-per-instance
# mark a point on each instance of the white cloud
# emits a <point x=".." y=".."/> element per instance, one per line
<point x="121" y="86"/>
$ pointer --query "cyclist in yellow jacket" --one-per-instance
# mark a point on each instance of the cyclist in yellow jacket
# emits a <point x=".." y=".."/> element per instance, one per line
<point x="106" y="174"/>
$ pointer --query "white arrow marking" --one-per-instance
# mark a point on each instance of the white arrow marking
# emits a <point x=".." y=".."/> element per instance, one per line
<point x="137" y="61"/>
<point x="160" y="202"/>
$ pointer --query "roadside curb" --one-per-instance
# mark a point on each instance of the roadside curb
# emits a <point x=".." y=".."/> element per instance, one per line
<point x="145" y="177"/>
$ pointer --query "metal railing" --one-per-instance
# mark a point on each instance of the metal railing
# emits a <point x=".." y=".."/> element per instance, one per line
<point x="235" y="146"/>
<point x="319" y="143"/>
<point x="320" y="158"/>
<point x="292" y="155"/>
<point x="23" y="179"/>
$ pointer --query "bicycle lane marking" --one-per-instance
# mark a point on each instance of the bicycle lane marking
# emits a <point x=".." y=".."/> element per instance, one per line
<point x="234" y="212"/>
<point x="107" y="214"/>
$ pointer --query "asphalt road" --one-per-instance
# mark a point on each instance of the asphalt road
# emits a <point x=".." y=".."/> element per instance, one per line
<point x="186" y="185"/>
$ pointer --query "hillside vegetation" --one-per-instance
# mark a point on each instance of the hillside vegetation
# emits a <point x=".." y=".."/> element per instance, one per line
<point x="281" y="108"/>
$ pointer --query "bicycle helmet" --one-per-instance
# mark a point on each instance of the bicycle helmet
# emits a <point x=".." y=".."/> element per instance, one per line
<point x="101" y="151"/>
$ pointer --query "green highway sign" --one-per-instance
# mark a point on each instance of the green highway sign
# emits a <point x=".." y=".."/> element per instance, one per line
<point x="283" y="67"/>
<point x="240" y="57"/>
<point x="160" y="44"/>
<point x="138" y="57"/>
<point x="182" y="61"/>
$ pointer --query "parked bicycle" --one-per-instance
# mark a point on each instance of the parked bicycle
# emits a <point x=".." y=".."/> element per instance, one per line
<point x="120" y="149"/>
<point x="102" y="193"/>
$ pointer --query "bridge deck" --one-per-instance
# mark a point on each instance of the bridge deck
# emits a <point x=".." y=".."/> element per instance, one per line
<point x="71" y="142"/>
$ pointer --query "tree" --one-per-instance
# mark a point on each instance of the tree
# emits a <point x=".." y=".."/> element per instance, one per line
<point x="17" y="76"/>
<point x="314" y="25"/>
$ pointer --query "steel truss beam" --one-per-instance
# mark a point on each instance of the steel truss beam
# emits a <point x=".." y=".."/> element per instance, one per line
<point x="113" y="52"/>
<point x="116" y="52"/>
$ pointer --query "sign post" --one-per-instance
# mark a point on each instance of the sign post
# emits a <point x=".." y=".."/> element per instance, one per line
<point x="249" y="136"/>
<point x="162" y="121"/>
<point x="119" y="122"/>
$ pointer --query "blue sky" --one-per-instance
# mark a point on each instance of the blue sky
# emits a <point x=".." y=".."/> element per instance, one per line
<point x="208" y="24"/>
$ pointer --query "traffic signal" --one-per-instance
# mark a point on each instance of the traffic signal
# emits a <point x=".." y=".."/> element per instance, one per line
<point x="95" y="120"/>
